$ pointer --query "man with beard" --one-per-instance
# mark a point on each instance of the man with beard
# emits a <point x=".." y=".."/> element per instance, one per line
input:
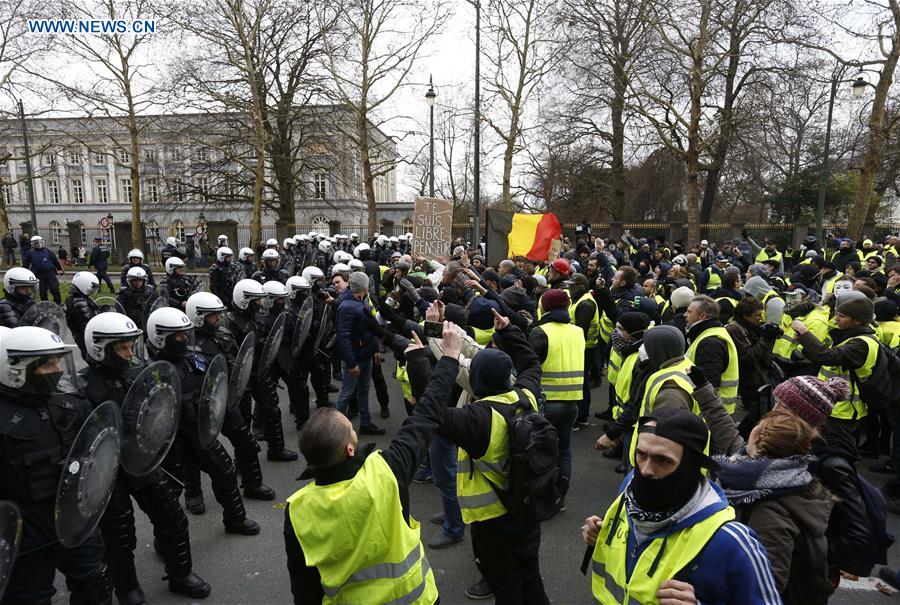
<point x="671" y="537"/>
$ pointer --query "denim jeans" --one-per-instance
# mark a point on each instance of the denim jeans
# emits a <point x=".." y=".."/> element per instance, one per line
<point x="442" y="455"/>
<point x="360" y="384"/>
<point x="561" y="415"/>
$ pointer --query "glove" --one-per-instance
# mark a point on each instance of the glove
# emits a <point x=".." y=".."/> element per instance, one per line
<point x="770" y="331"/>
<point x="410" y="289"/>
<point x="697" y="376"/>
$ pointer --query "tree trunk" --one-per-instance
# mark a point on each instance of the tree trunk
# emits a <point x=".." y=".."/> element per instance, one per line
<point x="283" y="169"/>
<point x="617" y="111"/>
<point x="692" y="154"/>
<point x="137" y="228"/>
<point x="4" y="216"/>
<point x="507" y="169"/>
<point x="368" y="180"/>
<point x="877" y="134"/>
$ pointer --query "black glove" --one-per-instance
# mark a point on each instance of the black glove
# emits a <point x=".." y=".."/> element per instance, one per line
<point x="770" y="331"/>
<point x="744" y="233"/>
<point x="409" y="288"/>
<point x="697" y="376"/>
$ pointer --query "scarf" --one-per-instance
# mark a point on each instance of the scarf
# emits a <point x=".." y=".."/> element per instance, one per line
<point x="623" y="346"/>
<point x="747" y="480"/>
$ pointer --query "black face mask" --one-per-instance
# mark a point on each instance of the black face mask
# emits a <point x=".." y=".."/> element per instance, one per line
<point x="670" y="493"/>
<point x="41" y="384"/>
<point x="175" y="349"/>
<point x="114" y="360"/>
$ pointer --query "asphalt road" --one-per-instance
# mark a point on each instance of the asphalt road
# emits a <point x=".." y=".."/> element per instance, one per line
<point x="251" y="570"/>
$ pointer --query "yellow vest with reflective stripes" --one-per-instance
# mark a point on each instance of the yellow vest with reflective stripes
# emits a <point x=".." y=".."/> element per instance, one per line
<point x="623" y="384"/>
<point x="817" y="322"/>
<point x="541" y="271"/>
<point x="612" y="366"/>
<point x="762" y="255"/>
<point x="354" y="534"/>
<point x="403" y="378"/>
<point x="714" y="281"/>
<point x="730" y="377"/>
<point x="827" y="286"/>
<point x="887" y="331"/>
<point x="870" y="254"/>
<point x="475" y="478"/>
<point x="483" y="337"/>
<point x="594" y="329"/>
<point x="562" y="373"/>
<point x="853" y="408"/>
<point x="610" y="582"/>
<point x="676" y="373"/>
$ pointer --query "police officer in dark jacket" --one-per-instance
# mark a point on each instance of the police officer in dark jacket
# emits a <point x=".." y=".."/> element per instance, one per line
<point x="45" y="266"/>
<point x="167" y="338"/>
<point x="223" y="275"/>
<point x="112" y="339"/>
<point x="38" y="425"/>
<point x="80" y="308"/>
<point x="176" y="284"/>
<point x="270" y="271"/>
<point x="100" y="260"/>
<point x="18" y="287"/>
<point x="309" y="365"/>
<point x="136" y="259"/>
<point x="136" y="295"/>
<point x="170" y="250"/>
<point x="283" y="368"/>
<point x="211" y="338"/>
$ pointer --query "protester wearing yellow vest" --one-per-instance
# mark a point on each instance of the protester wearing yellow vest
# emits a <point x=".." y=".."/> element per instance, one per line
<point x="712" y="349"/>
<point x="787" y="350"/>
<point x="560" y="347"/>
<point x="506" y="549"/>
<point x="584" y="312"/>
<point x="671" y="536"/>
<point x="769" y="252"/>
<point x="349" y="535"/>
<point x="852" y="356"/>
<point x="888" y="325"/>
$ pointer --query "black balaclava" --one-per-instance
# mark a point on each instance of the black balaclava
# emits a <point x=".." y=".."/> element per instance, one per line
<point x="174" y="350"/>
<point x="669" y="494"/>
<point x="112" y="359"/>
<point x="40" y="384"/>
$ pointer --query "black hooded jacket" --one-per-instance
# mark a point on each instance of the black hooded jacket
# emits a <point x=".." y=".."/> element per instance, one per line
<point x="711" y="353"/>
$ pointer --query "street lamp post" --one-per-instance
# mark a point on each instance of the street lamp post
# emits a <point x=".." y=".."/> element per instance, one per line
<point x="477" y="167"/>
<point x="859" y="86"/>
<point x="28" y="172"/>
<point x="430" y="97"/>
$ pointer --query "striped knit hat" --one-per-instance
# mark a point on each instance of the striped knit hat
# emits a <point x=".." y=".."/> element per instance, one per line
<point x="810" y="398"/>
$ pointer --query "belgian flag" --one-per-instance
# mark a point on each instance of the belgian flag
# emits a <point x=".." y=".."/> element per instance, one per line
<point x="512" y="234"/>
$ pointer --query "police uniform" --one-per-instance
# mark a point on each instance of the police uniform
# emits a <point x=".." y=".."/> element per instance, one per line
<point x="222" y="278"/>
<point x="79" y="311"/>
<point x="123" y="282"/>
<point x="179" y="289"/>
<point x="13" y="307"/>
<point x="309" y="365"/>
<point x="264" y="275"/>
<point x="135" y="301"/>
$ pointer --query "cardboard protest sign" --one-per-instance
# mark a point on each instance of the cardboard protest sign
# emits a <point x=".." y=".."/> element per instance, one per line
<point x="432" y="227"/>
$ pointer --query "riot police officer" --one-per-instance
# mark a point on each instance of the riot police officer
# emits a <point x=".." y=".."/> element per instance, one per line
<point x="136" y="294"/>
<point x="80" y="307"/>
<point x="211" y="338"/>
<point x="136" y="259"/>
<point x="246" y="263"/>
<point x="171" y="250"/>
<point x="177" y="284"/>
<point x="324" y="255"/>
<point x="270" y="271"/>
<point x="250" y="308"/>
<point x="223" y="274"/>
<point x="305" y="364"/>
<point x="113" y="344"/>
<point x="38" y="425"/>
<point x="168" y="332"/>
<point x="285" y="366"/>
<point x="18" y="288"/>
<point x="288" y="255"/>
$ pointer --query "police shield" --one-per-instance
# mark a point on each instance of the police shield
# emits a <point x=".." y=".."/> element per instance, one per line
<point x="302" y="326"/>
<point x="213" y="401"/>
<point x="242" y="370"/>
<point x="48" y="315"/>
<point x="150" y="414"/>
<point x="10" y="535"/>
<point x="109" y="304"/>
<point x="157" y="302"/>
<point x="324" y="327"/>
<point x="88" y="476"/>
<point x="272" y="343"/>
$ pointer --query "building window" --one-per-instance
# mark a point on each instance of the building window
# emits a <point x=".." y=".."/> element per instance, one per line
<point x="179" y="192"/>
<point x="49" y="159"/>
<point x="53" y="191"/>
<point x="149" y="154"/>
<point x="77" y="191"/>
<point x="74" y="157"/>
<point x="175" y="153"/>
<point x="407" y="225"/>
<point x="321" y="185"/>
<point x="102" y="193"/>
<point x="202" y="154"/>
<point x="126" y="190"/>
<point x="202" y="187"/>
<point x="320" y="224"/>
<point x="178" y="228"/>
<point x="153" y="191"/>
<point x="7" y="195"/>
<point x="124" y="156"/>
<point x="151" y="231"/>
<point x="98" y="158"/>
<point x="55" y="232"/>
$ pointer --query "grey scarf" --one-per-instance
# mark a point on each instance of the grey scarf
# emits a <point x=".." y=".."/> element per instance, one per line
<point x="747" y="480"/>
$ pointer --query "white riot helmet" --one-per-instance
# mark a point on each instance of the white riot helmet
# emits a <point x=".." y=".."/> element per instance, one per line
<point x="36" y="238"/>
<point x="276" y="289"/>
<point x="164" y="322"/>
<point x="313" y="234"/>
<point x="223" y="240"/>
<point x="354" y="236"/>
<point x="222" y="252"/>
<point x="26" y="348"/>
<point x="108" y="329"/>
<point x="288" y="242"/>
<point x="171" y="241"/>
<point x="381" y="240"/>
<point x="402" y="237"/>
<point x="340" y="268"/>
<point x="360" y="248"/>
<point x="245" y="291"/>
<point x="325" y="246"/>
<point x="18" y="276"/>
<point x="297" y="283"/>
<point x="356" y="265"/>
<point x="302" y="238"/>
<point x="394" y="239"/>
<point x="135" y="253"/>
<point x="271" y="242"/>
<point x="201" y="304"/>
<point x="173" y="263"/>
<point x="311" y="274"/>
<point x="342" y="257"/>
<point x="246" y="253"/>
<point x="134" y="274"/>
<point x="270" y="254"/>
<point x="86" y="282"/>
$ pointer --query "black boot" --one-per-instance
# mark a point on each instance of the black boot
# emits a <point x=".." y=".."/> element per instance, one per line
<point x="246" y="526"/>
<point x="251" y="481"/>
<point x="95" y="589"/>
<point x="277" y="452"/>
<point x="191" y="585"/>
<point x="195" y="504"/>
<point x="133" y="597"/>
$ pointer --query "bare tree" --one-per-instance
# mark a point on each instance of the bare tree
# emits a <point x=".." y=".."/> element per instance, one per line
<point x="369" y="62"/>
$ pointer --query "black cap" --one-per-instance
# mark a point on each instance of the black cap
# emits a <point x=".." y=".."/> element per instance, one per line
<point x="682" y="427"/>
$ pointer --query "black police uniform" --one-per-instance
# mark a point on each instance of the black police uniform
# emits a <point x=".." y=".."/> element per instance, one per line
<point x="100" y="260"/>
<point x="154" y="494"/>
<point x="222" y="278"/>
<point x="36" y="433"/>
<point x="247" y="268"/>
<point x="308" y="365"/>
<point x="179" y="288"/>
<point x="13" y="307"/>
<point x="135" y="301"/>
<point x="267" y="274"/>
<point x="170" y="251"/>
<point x="80" y="309"/>
<point x="150" y="281"/>
<point x="285" y="365"/>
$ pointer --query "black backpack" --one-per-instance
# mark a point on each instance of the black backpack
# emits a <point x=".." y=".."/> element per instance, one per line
<point x="882" y="389"/>
<point x="532" y="494"/>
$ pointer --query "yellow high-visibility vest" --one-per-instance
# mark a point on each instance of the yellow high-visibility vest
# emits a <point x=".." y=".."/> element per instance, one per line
<point x="853" y="408"/>
<point x="728" y="388"/>
<point x="562" y="373"/>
